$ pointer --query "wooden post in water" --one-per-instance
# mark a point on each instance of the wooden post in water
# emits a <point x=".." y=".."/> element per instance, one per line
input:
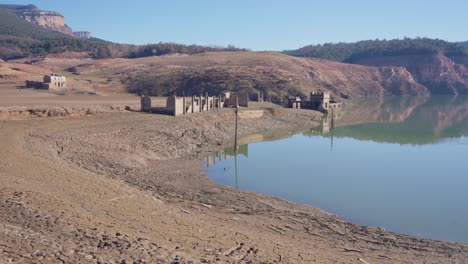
<point x="332" y="129"/>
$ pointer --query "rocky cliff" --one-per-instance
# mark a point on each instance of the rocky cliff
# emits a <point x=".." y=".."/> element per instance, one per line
<point x="46" y="19"/>
<point x="440" y="74"/>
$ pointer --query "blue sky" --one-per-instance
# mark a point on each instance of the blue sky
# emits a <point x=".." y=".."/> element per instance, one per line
<point x="261" y="24"/>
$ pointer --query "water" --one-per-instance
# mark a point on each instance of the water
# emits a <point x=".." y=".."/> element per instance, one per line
<point x="400" y="163"/>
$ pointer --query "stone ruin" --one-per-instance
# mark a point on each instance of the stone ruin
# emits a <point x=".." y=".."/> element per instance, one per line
<point x="176" y="106"/>
<point x="145" y="103"/>
<point x="234" y="100"/>
<point x="321" y="101"/>
<point x="50" y="82"/>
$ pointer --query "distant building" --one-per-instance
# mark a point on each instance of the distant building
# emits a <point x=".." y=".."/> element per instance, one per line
<point x="53" y="81"/>
<point x="321" y="101"/>
<point x="294" y="102"/>
<point x="82" y="34"/>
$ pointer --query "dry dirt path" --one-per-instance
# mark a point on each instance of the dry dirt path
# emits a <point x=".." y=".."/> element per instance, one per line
<point x="71" y="193"/>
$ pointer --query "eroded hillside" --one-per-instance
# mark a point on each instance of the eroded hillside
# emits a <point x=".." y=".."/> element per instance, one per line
<point x="437" y="72"/>
<point x="277" y="75"/>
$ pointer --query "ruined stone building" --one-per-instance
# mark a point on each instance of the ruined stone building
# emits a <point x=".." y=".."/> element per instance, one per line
<point x="54" y="81"/>
<point x="294" y="102"/>
<point x="183" y="105"/>
<point x="321" y="101"/>
<point x="145" y="103"/>
<point x="234" y="100"/>
<point x="186" y="105"/>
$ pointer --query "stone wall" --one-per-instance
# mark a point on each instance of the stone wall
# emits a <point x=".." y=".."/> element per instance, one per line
<point x="237" y="99"/>
<point x="145" y="103"/>
<point x="175" y="106"/>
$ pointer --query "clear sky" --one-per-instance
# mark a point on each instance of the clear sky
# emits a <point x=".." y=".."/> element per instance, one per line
<point x="261" y="24"/>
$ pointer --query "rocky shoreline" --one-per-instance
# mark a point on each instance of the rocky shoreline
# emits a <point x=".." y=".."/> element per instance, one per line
<point x="129" y="188"/>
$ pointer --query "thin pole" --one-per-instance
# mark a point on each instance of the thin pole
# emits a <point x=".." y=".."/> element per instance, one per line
<point x="332" y="129"/>
<point x="235" y="134"/>
<point x="237" y="120"/>
<point x="236" y="148"/>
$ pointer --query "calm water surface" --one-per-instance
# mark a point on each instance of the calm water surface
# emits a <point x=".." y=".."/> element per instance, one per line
<point x="400" y="163"/>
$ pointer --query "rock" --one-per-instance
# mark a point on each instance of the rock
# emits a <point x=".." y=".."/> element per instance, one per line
<point x="46" y="19"/>
<point x="90" y="111"/>
<point x="57" y="112"/>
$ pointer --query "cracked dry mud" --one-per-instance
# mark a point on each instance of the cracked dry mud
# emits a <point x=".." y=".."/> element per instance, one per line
<point x="129" y="188"/>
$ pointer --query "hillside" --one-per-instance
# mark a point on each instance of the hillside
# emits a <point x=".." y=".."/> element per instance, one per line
<point x="19" y="39"/>
<point x="439" y="65"/>
<point x="276" y="74"/>
<point x="437" y="72"/>
<point x="47" y="19"/>
<point x="26" y="31"/>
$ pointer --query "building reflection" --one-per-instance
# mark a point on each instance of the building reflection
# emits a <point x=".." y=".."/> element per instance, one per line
<point x="226" y="154"/>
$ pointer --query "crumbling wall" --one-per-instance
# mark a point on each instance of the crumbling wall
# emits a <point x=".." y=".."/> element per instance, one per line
<point x="175" y="106"/>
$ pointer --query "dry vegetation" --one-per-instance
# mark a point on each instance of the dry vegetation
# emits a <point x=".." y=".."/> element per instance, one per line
<point x="277" y="75"/>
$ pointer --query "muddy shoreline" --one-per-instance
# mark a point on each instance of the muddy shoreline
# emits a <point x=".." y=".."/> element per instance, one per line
<point x="130" y="186"/>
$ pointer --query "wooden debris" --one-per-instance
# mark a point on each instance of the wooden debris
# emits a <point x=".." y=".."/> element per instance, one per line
<point x="353" y="250"/>
<point x="363" y="261"/>
<point x="185" y="211"/>
<point x="232" y="250"/>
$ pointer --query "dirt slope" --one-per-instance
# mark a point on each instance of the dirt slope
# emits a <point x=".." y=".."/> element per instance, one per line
<point x="278" y="75"/>
<point x="437" y="72"/>
<point x="75" y="198"/>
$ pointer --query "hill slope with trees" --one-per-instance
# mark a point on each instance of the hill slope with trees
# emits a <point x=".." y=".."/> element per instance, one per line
<point x="437" y="64"/>
<point x="20" y="39"/>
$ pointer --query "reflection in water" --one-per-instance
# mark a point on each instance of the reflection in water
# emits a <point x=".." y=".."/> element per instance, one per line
<point x="402" y="120"/>
<point x="398" y="163"/>
<point x="225" y="154"/>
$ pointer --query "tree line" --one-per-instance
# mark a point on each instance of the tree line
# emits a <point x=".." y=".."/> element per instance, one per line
<point x="20" y="39"/>
<point x="351" y="52"/>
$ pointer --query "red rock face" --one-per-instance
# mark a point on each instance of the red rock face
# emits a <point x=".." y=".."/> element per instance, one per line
<point x="438" y="73"/>
<point x="359" y="81"/>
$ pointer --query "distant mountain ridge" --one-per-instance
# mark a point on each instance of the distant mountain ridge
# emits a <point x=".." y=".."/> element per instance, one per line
<point x="47" y="19"/>
<point x="397" y="67"/>
<point x="436" y="64"/>
<point x="27" y="31"/>
<point x="19" y="39"/>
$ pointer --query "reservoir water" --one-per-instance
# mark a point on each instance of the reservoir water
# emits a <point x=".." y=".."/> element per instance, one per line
<point x="398" y="163"/>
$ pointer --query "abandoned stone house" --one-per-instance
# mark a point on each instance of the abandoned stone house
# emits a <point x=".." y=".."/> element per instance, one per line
<point x="294" y="102"/>
<point x="53" y="81"/>
<point x="185" y="105"/>
<point x="321" y="101"/>
<point x="234" y="100"/>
